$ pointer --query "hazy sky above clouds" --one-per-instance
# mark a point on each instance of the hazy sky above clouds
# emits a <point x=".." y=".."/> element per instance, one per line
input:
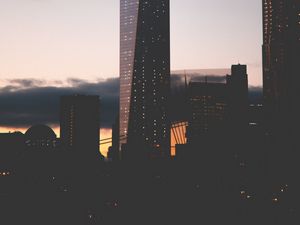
<point x="57" y="39"/>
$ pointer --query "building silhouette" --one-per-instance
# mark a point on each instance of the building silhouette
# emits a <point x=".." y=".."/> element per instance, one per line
<point x="144" y="78"/>
<point x="40" y="137"/>
<point x="237" y="87"/>
<point x="208" y="105"/>
<point x="281" y="67"/>
<point x="217" y="111"/>
<point x="12" y="146"/>
<point x="80" y="125"/>
<point x="114" y="150"/>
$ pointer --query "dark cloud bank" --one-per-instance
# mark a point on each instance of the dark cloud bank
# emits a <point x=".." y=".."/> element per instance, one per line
<point x="27" y="102"/>
<point x="24" y="102"/>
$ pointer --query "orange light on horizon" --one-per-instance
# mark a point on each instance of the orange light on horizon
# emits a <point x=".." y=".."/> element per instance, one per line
<point x="24" y="129"/>
<point x="104" y="133"/>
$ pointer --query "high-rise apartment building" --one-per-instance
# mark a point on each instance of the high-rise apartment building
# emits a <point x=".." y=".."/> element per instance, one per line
<point x="281" y="62"/>
<point x="144" y="77"/>
<point x="218" y="112"/>
<point x="80" y="124"/>
<point x="208" y="106"/>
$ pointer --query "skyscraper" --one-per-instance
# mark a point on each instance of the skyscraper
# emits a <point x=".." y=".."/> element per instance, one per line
<point x="218" y="112"/>
<point x="80" y="124"/>
<point x="237" y="85"/>
<point x="145" y="77"/>
<point x="281" y="65"/>
<point x="208" y="105"/>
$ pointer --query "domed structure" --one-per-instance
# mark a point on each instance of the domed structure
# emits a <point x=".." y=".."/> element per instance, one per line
<point x="40" y="136"/>
<point x="40" y="132"/>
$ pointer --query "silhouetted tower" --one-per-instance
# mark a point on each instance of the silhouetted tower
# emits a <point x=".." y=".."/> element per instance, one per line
<point x="237" y="85"/>
<point x="80" y="124"/>
<point x="145" y="78"/>
<point x="281" y="67"/>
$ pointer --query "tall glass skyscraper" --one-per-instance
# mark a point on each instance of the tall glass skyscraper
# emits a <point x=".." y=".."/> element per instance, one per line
<point x="281" y="62"/>
<point x="145" y="77"/>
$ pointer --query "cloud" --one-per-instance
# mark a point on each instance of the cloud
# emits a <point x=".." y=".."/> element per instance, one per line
<point x="25" y="102"/>
<point x="25" y="83"/>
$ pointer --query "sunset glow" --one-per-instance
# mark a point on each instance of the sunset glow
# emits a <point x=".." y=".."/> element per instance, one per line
<point x="104" y="134"/>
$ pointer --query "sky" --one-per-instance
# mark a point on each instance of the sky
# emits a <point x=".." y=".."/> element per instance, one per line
<point x="54" y="47"/>
<point x="59" y="39"/>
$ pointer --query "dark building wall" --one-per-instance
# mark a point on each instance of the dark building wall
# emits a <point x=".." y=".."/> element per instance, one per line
<point x="12" y="146"/>
<point x="281" y="67"/>
<point x="218" y="114"/>
<point x="208" y="106"/>
<point x="148" y="117"/>
<point x="114" y="150"/>
<point x="237" y="85"/>
<point x="80" y="124"/>
<point x="219" y="108"/>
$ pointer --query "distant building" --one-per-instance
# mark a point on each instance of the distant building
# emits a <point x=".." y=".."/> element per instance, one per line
<point x="237" y="98"/>
<point x="208" y="102"/>
<point x="41" y="137"/>
<point x="80" y="124"/>
<point x="217" y="110"/>
<point x="12" y="145"/>
<point x="144" y="78"/>
<point x="281" y="67"/>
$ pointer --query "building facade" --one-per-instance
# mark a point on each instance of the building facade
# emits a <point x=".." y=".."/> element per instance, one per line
<point x="237" y="85"/>
<point x="281" y="65"/>
<point x="80" y="124"/>
<point x="208" y="106"/>
<point x="145" y="77"/>
<point x="218" y="113"/>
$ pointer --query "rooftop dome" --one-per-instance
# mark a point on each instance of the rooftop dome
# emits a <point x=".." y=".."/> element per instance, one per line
<point x="40" y="132"/>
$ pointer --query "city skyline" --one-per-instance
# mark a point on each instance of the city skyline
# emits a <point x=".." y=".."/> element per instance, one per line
<point x="187" y="132"/>
<point x="19" y="112"/>
<point x="32" y="38"/>
<point x="204" y="34"/>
